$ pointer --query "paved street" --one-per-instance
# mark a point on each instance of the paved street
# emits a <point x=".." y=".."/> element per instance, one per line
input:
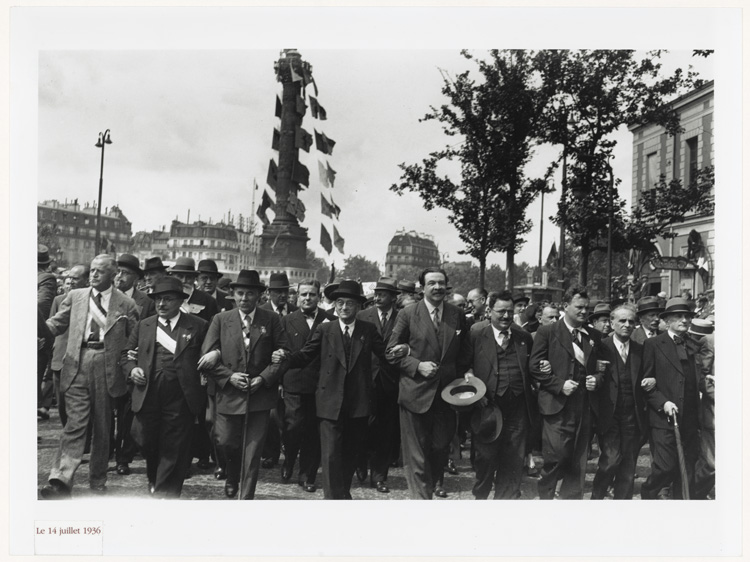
<point x="203" y="486"/>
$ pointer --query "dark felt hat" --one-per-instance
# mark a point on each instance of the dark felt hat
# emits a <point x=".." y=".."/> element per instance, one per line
<point x="278" y="281"/>
<point x="131" y="262"/>
<point x="42" y="255"/>
<point x="678" y="305"/>
<point x="387" y="284"/>
<point x="521" y="298"/>
<point x="349" y="289"/>
<point x="248" y="278"/>
<point x="487" y="423"/>
<point x="649" y="304"/>
<point x="601" y="309"/>
<point x="183" y="265"/>
<point x="208" y="266"/>
<point x="462" y="395"/>
<point x="407" y="287"/>
<point x="168" y="285"/>
<point x="154" y="264"/>
<point x="330" y="288"/>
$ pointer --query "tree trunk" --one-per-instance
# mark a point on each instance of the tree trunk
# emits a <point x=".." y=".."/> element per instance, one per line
<point x="511" y="269"/>
<point x="482" y="267"/>
<point x="583" y="276"/>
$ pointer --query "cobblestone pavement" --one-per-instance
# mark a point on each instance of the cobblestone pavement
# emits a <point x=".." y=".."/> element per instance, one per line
<point x="203" y="486"/>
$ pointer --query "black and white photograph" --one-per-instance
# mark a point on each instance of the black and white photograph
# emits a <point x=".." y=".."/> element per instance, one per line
<point x="304" y="254"/>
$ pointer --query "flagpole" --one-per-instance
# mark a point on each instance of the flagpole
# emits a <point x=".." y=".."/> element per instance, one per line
<point x="252" y="213"/>
<point x="541" y="232"/>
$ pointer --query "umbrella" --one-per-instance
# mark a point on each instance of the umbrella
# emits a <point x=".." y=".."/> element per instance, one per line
<point x="681" y="460"/>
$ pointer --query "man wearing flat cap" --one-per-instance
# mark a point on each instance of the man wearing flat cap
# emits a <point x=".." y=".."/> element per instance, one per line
<point x="153" y="271"/>
<point x="241" y="342"/>
<point x="342" y="400"/>
<point x="208" y="277"/>
<point x="166" y="387"/>
<point x="674" y="360"/>
<point x="648" y="312"/>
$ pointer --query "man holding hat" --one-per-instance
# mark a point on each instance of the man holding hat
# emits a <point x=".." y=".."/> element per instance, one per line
<point x="674" y="360"/>
<point x="198" y="302"/>
<point x="208" y="277"/>
<point x="383" y="423"/>
<point x="153" y="271"/>
<point x="241" y="343"/>
<point x="648" y="312"/>
<point x="498" y="354"/>
<point x="278" y="291"/>
<point x="166" y="387"/>
<point x="342" y="400"/>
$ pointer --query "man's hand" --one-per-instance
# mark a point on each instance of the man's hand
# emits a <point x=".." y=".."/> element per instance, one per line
<point x="209" y="360"/>
<point x="239" y="381"/>
<point x="278" y="356"/>
<point x="255" y="383"/>
<point x="398" y="351"/>
<point x="468" y="375"/>
<point x="670" y="408"/>
<point x="133" y="354"/>
<point x="427" y="368"/>
<point x="545" y="366"/>
<point x="590" y="382"/>
<point x="569" y="387"/>
<point x="648" y="384"/>
<point x="138" y="376"/>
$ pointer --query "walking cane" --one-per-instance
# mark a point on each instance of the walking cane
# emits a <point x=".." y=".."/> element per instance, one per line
<point x="244" y="428"/>
<point x="681" y="460"/>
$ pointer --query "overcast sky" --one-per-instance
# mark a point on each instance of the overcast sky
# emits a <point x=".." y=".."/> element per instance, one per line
<point x="192" y="129"/>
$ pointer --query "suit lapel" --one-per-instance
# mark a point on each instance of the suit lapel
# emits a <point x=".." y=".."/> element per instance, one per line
<point x="80" y="315"/>
<point x="609" y="344"/>
<point x="183" y="336"/>
<point x="667" y="347"/>
<point x="522" y="352"/>
<point x="357" y="342"/>
<point x="448" y="323"/>
<point x="113" y="313"/>
<point x="149" y="338"/>
<point x="234" y="326"/>
<point x="488" y="343"/>
<point x="563" y="336"/>
<point x="336" y="339"/>
<point x="427" y="327"/>
<point x="635" y="365"/>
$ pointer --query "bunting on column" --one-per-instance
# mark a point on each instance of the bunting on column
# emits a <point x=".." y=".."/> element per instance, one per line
<point x="301" y="174"/>
<point x="303" y="139"/>
<point x="331" y="173"/>
<point x="295" y="77"/>
<point x="337" y="240"/>
<point x="275" y="139"/>
<point x="278" y="107"/>
<point x="317" y="110"/>
<point x="325" y="207"/>
<point x="335" y="208"/>
<point x="325" y="239"/>
<point x="323" y="143"/>
<point x="323" y="173"/>
<point x="308" y="79"/>
<point x="273" y="175"/>
<point x="266" y="203"/>
<point x="301" y="106"/>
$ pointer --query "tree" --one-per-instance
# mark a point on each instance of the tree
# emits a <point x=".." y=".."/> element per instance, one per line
<point x="47" y="236"/>
<point x="360" y="268"/>
<point x="322" y="270"/>
<point x="494" y="122"/>
<point x="590" y="95"/>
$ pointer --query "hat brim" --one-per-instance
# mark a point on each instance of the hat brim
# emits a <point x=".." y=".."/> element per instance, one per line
<point x="456" y="394"/>
<point x="658" y="309"/>
<point x="676" y="311"/>
<point x="138" y="271"/>
<point x="476" y="423"/>
<point x="156" y="294"/>
<point x="277" y="288"/>
<point x="389" y="289"/>
<point x="260" y="286"/>
<point x="43" y="262"/>
<point x="342" y="294"/>
<point x="155" y="268"/>
<point x="173" y="270"/>
<point x="218" y="275"/>
<point x="598" y="315"/>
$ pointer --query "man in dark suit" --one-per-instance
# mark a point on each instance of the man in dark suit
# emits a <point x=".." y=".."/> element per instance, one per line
<point x="247" y="383"/>
<point x="571" y="350"/>
<point x="648" y="312"/>
<point x="46" y="282"/>
<point x="342" y="400"/>
<point x="166" y="387"/>
<point x="300" y="422"/>
<point x="153" y="271"/>
<point x="498" y="354"/>
<point x="278" y="292"/>
<point x="702" y="331"/>
<point x="208" y="277"/>
<point x="622" y="417"/>
<point x="198" y="302"/>
<point x="383" y="423"/>
<point x="99" y="321"/>
<point x="121" y="442"/>
<point x="433" y="330"/>
<point x="675" y="361"/>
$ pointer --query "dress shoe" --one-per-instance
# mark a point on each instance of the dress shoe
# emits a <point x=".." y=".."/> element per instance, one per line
<point x="42" y="414"/>
<point x="533" y="472"/>
<point x="309" y="487"/>
<point x="220" y="473"/>
<point x="188" y="473"/>
<point x="268" y="463"/>
<point x="55" y="490"/>
<point x="204" y="463"/>
<point x="440" y="492"/>
<point x="451" y="468"/>
<point x="230" y="489"/>
<point x="98" y="489"/>
<point x="361" y="474"/>
<point x="286" y="473"/>
<point x="382" y="488"/>
<point x="123" y="469"/>
<point x="151" y="488"/>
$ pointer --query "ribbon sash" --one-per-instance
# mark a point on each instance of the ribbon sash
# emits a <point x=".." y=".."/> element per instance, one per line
<point x="165" y="339"/>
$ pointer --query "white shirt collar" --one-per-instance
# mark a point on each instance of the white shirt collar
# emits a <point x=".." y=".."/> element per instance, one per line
<point x="249" y="314"/>
<point x="498" y="332"/>
<point x="351" y="326"/>
<point x="620" y="345"/>
<point x="581" y="329"/>
<point x="674" y="335"/>
<point x="130" y="292"/>
<point x="386" y="312"/>
<point x="105" y="293"/>
<point x="172" y="321"/>
<point x="431" y="308"/>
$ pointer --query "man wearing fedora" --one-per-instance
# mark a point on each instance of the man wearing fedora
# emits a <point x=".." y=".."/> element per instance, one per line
<point x="166" y="387"/>
<point x="99" y="321"/>
<point x="300" y="422"/>
<point x="122" y="443"/>
<point x="278" y="292"/>
<point x="674" y="360"/>
<point x="198" y="302"/>
<point x="153" y="271"/>
<point x="622" y="417"/>
<point x="208" y="277"/>
<point x="564" y="401"/>
<point x="46" y="282"/>
<point x="342" y="401"/>
<point x="498" y="354"/>
<point x="434" y="331"/>
<point x="648" y="312"/>
<point x="383" y="429"/>
<point x="242" y="342"/>
<point x="599" y="318"/>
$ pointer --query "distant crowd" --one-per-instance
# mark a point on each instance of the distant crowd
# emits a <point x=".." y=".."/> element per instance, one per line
<point x="181" y="364"/>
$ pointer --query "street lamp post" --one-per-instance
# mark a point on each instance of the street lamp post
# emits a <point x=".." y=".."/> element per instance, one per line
<point x="103" y="140"/>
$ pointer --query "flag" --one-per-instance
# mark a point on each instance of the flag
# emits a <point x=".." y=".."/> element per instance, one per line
<point x="335" y="208"/>
<point x="266" y="203"/>
<point x="308" y="78"/>
<point x="278" y="107"/>
<point x="272" y="175"/>
<point x="275" y="139"/>
<point x="337" y="240"/>
<point x="303" y="139"/>
<point x="300" y="211"/>
<point x="295" y="77"/>
<point x="325" y="239"/>
<point x="331" y="174"/>
<point x="552" y="257"/>
<point x="323" y="173"/>
<point x="301" y="174"/>
<point x="325" y="207"/>
<point x="301" y="106"/>
<point x="317" y="110"/>
<point x="323" y="143"/>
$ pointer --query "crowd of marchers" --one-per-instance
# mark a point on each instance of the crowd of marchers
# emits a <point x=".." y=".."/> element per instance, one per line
<point x="179" y="363"/>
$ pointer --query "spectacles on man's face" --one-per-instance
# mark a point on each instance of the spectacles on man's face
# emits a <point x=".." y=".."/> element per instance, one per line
<point x="166" y="300"/>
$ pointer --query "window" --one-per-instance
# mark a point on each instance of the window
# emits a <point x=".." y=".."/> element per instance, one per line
<point x="691" y="159"/>
<point x="86" y="221"/>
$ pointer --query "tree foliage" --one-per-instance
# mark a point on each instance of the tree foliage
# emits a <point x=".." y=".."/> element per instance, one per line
<point x="360" y="268"/>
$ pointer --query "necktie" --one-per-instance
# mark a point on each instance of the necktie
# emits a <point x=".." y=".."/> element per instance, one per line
<point x="503" y="340"/>
<point x="281" y="310"/>
<point x="436" y="319"/>
<point x="383" y="319"/>
<point x="574" y="336"/>
<point x="347" y="343"/>
<point x="624" y="354"/>
<point x="678" y="340"/>
<point x="95" y="333"/>
<point x="167" y="325"/>
<point x="246" y="331"/>
<point x="681" y="351"/>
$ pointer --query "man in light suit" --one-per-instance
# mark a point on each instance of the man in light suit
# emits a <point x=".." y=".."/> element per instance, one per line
<point x="342" y="400"/>
<point x="433" y="330"/>
<point x="622" y="417"/>
<point x="166" y="387"/>
<point x="241" y="343"/>
<point x="99" y="321"/>
<point x="498" y="354"/>
<point x="571" y="349"/>
<point x="300" y="423"/>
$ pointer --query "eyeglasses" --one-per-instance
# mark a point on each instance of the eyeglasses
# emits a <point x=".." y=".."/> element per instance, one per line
<point x="167" y="300"/>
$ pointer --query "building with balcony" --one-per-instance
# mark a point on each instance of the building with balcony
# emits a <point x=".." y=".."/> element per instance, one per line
<point x="686" y="261"/>
<point x="411" y="249"/>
